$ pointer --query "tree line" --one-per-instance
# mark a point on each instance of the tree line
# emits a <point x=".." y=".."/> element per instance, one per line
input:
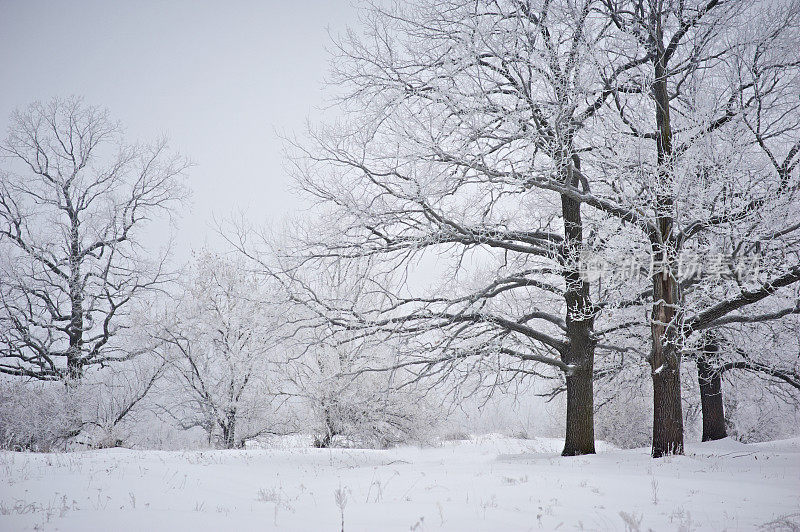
<point x="487" y="158"/>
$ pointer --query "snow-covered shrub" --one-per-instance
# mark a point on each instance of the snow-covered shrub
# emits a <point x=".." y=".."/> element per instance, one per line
<point x="99" y="410"/>
<point x="624" y="408"/>
<point x="368" y="412"/>
<point x="220" y="342"/>
<point x="38" y="416"/>
<point x="625" y="421"/>
<point x="755" y="413"/>
<point x="117" y="401"/>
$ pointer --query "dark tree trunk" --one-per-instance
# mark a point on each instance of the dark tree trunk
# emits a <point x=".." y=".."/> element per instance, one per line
<point x="580" y="402"/>
<point x="667" y="413"/>
<point x="325" y="441"/>
<point x="75" y="330"/>
<point x="710" y="381"/>
<point x="580" y="325"/>
<point x="74" y="364"/>
<point x="229" y="431"/>
<point x="665" y="360"/>
<point x="665" y="356"/>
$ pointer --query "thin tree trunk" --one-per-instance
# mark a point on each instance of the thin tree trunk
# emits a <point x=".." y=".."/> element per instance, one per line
<point x="710" y="382"/>
<point x="580" y="324"/>
<point x="229" y="431"/>
<point x="325" y="441"/>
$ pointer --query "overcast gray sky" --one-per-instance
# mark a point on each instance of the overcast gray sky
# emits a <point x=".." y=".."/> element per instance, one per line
<point x="219" y="78"/>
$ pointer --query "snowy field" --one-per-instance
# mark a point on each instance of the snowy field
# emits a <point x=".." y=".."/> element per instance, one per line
<point x="486" y="483"/>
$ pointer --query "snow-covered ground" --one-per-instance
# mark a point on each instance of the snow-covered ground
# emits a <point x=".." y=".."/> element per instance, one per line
<point x="486" y="483"/>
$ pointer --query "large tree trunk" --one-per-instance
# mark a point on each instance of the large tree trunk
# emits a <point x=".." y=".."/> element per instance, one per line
<point x="665" y="356"/>
<point x="75" y="333"/>
<point x="710" y="382"/>
<point x="74" y="364"/>
<point x="667" y="409"/>
<point x="580" y="325"/>
<point x="580" y="396"/>
<point x="665" y="360"/>
<point x="75" y="330"/>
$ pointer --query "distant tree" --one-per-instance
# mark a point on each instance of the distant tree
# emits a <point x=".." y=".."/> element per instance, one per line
<point x="74" y="202"/>
<point x="221" y="341"/>
<point x="349" y="406"/>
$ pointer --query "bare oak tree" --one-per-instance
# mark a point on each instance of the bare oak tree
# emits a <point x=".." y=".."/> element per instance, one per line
<point x="710" y="136"/>
<point x="73" y="203"/>
<point x="221" y="344"/>
<point x="467" y="127"/>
